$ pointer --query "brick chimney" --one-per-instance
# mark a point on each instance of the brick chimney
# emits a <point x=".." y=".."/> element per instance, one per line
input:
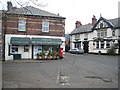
<point x="78" y="24"/>
<point x="9" y="5"/>
<point x="94" y="20"/>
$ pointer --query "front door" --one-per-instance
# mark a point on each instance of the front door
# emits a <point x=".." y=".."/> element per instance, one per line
<point x="119" y="47"/>
<point x="26" y="52"/>
<point x="86" y="46"/>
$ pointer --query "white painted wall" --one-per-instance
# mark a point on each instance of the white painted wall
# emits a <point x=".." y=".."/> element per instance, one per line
<point x="95" y="33"/>
<point x="21" y="48"/>
<point x="91" y="35"/>
<point x="25" y="55"/>
<point x="72" y="39"/>
<point x="90" y="39"/>
<point x="109" y="32"/>
<point x="117" y="32"/>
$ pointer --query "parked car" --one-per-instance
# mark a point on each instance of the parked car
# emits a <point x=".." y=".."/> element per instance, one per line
<point x="76" y="51"/>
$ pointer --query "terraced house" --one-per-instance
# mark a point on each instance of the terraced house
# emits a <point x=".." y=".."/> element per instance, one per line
<point x="29" y="30"/>
<point x="98" y="36"/>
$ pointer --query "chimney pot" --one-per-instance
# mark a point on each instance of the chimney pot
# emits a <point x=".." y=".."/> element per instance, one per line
<point x="94" y="20"/>
<point x="9" y="5"/>
<point x="78" y="24"/>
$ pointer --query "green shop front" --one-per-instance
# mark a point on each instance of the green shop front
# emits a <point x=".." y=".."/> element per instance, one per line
<point x="45" y="45"/>
<point x="28" y="47"/>
<point x="20" y="48"/>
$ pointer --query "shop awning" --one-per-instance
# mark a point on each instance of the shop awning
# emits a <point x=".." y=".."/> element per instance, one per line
<point x="20" y="41"/>
<point x="46" y="41"/>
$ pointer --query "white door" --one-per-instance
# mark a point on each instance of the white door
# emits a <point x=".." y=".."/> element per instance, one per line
<point x="26" y="52"/>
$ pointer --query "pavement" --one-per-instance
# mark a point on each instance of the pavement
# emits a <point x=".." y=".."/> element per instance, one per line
<point x="27" y="61"/>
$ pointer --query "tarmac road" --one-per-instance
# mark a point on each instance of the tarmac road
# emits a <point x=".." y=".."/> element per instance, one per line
<point x="77" y="71"/>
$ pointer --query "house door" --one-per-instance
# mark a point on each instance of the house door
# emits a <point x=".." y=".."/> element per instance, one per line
<point x="86" y="46"/>
<point x="77" y="45"/>
<point x="119" y="47"/>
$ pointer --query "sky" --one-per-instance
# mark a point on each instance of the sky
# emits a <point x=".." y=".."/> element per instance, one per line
<point x="74" y="10"/>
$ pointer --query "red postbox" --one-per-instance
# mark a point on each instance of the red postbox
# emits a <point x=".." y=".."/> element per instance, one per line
<point x="61" y="53"/>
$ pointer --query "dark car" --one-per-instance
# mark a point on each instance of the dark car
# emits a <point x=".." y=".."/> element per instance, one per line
<point x="76" y="51"/>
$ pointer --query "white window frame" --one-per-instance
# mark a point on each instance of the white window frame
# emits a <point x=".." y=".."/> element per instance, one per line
<point x="22" y="25"/>
<point x="45" y="25"/>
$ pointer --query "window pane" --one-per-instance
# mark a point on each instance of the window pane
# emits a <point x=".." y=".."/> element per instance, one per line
<point x="14" y="49"/>
<point x="97" y="44"/>
<point x="102" y="44"/>
<point x="45" y="26"/>
<point x="105" y="33"/>
<point x="26" y="48"/>
<point x="102" y="33"/>
<point x="22" y="25"/>
<point x="98" y="33"/>
<point x="108" y="44"/>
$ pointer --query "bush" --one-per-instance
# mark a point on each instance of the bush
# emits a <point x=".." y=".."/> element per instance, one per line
<point x="111" y="51"/>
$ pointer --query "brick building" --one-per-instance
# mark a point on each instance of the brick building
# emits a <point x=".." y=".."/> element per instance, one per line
<point x="29" y="30"/>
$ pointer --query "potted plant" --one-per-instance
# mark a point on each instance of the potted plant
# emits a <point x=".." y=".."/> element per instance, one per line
<point x="53" y="55"/>
<point x="57" y="55"/>
<point x="43" y="55"/>
<point x="49" y="55"/>
<point x="40" y="55"/>
<point x="111" y="51"/>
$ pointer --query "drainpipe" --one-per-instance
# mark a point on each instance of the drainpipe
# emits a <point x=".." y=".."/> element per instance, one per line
<point x="4" y="33"/>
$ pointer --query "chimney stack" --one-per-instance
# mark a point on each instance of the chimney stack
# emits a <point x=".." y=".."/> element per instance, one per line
<point x="9" y="5"/>
<point x="78" y="24"/>
<point x="94" y="20"/>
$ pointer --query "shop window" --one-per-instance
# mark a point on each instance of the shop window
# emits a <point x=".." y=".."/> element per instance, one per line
<point x="45" y="26"/>
<point x="48" y="48"/>
<point x="26" y="48"/>
<point x="22" y="25"/>
<point x="102" y="44"/>
<point x="97" y="44"/>
<point x="108" y="44"/>
<point x="14" y="49"/>
<point x="55" y="48"/>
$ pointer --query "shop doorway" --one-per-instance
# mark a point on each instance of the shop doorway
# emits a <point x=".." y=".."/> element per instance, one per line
<point x="26" y="52"/>
<point x="86" y="46"/>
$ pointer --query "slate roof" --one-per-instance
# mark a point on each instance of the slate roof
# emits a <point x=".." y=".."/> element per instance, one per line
<point x="29" y="10"/>
<point x="115" y="22"/>
<point x="82" y="29"/>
